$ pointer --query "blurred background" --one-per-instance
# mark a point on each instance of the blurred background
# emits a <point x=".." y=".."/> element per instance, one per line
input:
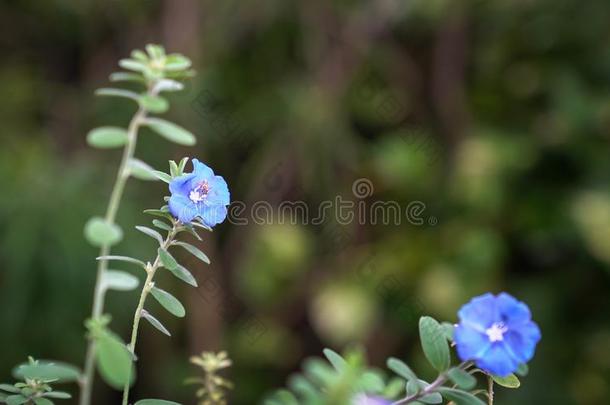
<point x="493" y="116"/>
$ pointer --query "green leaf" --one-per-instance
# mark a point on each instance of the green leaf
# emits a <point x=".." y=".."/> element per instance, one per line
<point x="151" y="232"/>
<point x="461" y="378"/>
<point x="43" y="401"/>
<point x="158" y="213"/>
<point x="161" y="225"/>
<point x="434" y="343"/>
<point x="459" y="397"/>
<point x="100" y="232"/>
<point x="371" y="381"/>
<point x="126" y="77"/>
<point x="171" y="131"/>
<point x="117" y="93"/>
<point x="448" y="328"/>
<point x="522" y="370"/>
<point x="107" y="137"/>
<point x="155" y="51"/>
<point x="174" y="171"/>
<point x="335" y="359"/>
<point x="131" y="64"/>
<point x="119" y="280"/>
<point x="141" y="170"/>
<point x="9" y="388"/>
<point x="16" y="400"/>
<point x="168" y="85"/>
<point x="510" y="381"/>
<point x="58" y="395"/>
<point x="139" y="55"/>
<point x="47" y="370"/>
<point x="394" y="388"/>
<point x="123" y="259"/>
<point x="167" y="260"/>
<point x="155" y="322"/>
<point x="176" y="62"/>
<point x="153" y="104"/>
<point x="400" y="368"/>
<point x="168" y="302"/>
<point x="162" y="176"/>
<point x="194" y="251"/>
<point x="155" y="402"/>
<point x="184" y="275"/>
<point x="114" y="360"/>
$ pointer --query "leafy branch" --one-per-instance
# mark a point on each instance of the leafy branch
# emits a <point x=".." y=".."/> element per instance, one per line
<point x="158" y="73"/>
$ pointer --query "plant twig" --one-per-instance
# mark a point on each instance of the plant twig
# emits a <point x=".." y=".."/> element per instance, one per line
<point x="116" y="195"/>
<point x="490" y="390"/>
<point x="151" y="269"/>
<point x="440" y="380"/>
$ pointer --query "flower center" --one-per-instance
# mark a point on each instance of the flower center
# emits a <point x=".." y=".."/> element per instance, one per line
<point x="496" y="332"/>
<point x="200" y="192"/>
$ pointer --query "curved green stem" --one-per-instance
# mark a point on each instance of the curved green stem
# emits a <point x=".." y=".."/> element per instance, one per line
<point x="440" y="380"/>
<point x="151" y="269"/>
<point x="490" y="390"/>
<point x="102" y="266"/>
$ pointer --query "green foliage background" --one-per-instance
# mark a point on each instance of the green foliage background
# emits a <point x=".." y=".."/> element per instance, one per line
<point x="495" y="114"/>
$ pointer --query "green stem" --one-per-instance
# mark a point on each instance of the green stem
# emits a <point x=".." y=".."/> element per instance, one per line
<point x="440" y="380"/>
<point x="102" y="266"/>
<point x="151" y="269"/>
<point x="490" y="390"/>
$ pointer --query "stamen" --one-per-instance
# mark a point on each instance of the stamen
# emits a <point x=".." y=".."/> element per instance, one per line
<point x="200" y="192"/>
<point x="496" y="332"/>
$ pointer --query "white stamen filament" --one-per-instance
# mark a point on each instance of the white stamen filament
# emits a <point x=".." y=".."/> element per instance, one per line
<point x="496" y="332"/>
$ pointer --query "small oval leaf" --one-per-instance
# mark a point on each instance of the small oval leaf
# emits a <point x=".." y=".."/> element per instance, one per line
<point x="155" y="322"/>
<point x="141" y="170"/>
<point x="171" y="131"/>
<point x="47" y="370"/>
<point x="510" y="381"/>
<point x="153" y="104"/>
<point x="194" y="251"/>
<point x="119" y="280"/>
<point x="434" y="343"/>
<point x="114" y="360"/>
<point x="459" y="397"/>
<point x="461" y="378"/>
<point x="167" y="260"/>
<point x="400" y="368"/>
<point x="107" y="137"/>
<point x="100" y="232"/>
<point x="117" y="93"/>
<point x="156" y="402"/>
<point x="151" y="232"/>
<point x="168" y="302"/>
<point x="184" y="275"/>
<point x="123" y="259"/>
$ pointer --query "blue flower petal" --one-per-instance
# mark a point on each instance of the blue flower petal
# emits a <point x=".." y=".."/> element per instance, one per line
<point x="182" y="208"/>
<point x="480" y="311"/>
<point x="471" y="343"/>
<point x="219" y="192"/>
<point x="181" y="184"/>
<point x="498" y="361"/>
<point x="201" y="169"/>
<point x="212" y="215"/>
<point x="512" y="312"/>
<point x="521" y="343"/>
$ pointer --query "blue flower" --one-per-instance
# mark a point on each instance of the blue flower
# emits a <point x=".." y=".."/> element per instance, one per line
<point x="497" y="333"/>
<point x="363" y="399"/>
<point x="199" y="194"/>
